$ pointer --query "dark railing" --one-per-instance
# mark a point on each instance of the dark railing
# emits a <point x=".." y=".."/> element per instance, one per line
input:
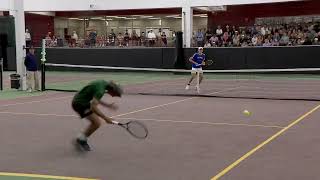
<point x="104" y="43"/>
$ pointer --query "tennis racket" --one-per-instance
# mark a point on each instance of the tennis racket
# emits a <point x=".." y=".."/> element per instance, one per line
<point x="135" y="128"/>
<point x="208" y="63"/>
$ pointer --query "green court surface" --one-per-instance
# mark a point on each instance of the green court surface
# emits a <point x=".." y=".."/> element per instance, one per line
<point x="8" y="93"/>
<point x="74" y="80"/>
<point x="12" y="94"/>
<point x="153" y="82"/>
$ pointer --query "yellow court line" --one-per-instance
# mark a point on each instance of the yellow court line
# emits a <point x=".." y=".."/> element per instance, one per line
<point x="237" y="162"/>
<point x="43" y="176"/>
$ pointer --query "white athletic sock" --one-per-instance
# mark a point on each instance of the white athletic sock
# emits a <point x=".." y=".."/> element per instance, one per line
<point x="82" y="137"/>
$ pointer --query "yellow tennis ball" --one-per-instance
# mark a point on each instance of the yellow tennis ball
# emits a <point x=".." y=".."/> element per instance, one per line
<point x="246" y="112"/>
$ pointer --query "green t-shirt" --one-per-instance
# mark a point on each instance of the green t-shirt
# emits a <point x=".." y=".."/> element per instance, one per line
<point x="94" y="89"/>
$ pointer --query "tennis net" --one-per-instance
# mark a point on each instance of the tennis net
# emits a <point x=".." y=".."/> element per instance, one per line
<point x="280" y="84"/>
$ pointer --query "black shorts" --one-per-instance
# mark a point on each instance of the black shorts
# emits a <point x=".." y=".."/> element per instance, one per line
<point x="82" y="110"/>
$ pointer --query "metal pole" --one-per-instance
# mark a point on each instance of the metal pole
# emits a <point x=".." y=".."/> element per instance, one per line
<point x="1" y="74"/>
<point x="184" y="29"/>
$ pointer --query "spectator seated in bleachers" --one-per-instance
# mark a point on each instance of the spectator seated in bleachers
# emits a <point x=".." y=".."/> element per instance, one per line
<point x="261" y="35"/>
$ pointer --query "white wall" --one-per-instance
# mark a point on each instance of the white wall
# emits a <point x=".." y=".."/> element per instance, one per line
<point x="199" y="23"/>
<point x="5" y="5"/>
<point x="121" y="25"/>
<point x="195" y="3"/>
<point x="79" y="5"/>
<point x="47" y="13"/>
<point x="117" y="25"/>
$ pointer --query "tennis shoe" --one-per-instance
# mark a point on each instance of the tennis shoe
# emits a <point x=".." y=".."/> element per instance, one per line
<point x="187" y="87"/>
<point x="83" y="145"/>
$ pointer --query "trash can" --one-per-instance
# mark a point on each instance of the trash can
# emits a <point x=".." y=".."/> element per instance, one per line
<point x="15" y="81"/>
<point x="60" y="42"/>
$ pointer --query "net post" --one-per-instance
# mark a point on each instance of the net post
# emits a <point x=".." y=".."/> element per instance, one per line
<point x="43" y="87"/>
<point x="43" y="65"/>
<point x="1" y="74"/>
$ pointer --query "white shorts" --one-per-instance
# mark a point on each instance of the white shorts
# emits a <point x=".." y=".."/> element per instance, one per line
<point x="195" y="70"/>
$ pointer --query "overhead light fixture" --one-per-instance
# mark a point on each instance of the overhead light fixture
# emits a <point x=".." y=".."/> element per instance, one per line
<point x="146" y="16"/>
<point x="199" y="15"/>
<point x="204" y="16"/>
<point x="97" y="18"/>
<point x="74" y="18"/>
<point x="131" y="18"/>
<point x="80" y="19"/>
<point x="176" y="15"/>
<point x="109" y="19"/>
<point x="154" y="18"/>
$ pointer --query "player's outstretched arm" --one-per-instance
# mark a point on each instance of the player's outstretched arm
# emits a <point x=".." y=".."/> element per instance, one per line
<point x="112" y="106"/>
<point x="95" y="109"/>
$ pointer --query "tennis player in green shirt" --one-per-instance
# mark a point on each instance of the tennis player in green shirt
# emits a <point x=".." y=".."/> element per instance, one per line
<point x="86" y="102"/>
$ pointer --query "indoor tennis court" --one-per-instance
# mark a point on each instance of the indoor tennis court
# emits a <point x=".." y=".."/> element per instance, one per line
<point x="190" y="137"/>
<point x="187" y="89"/>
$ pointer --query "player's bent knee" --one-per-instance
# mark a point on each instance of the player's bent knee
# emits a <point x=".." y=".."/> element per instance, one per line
<point x="95" y="120"/>
<point x="97" y="124"/>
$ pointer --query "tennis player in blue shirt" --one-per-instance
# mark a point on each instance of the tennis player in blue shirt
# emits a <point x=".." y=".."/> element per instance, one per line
<point x="197" y="60"/>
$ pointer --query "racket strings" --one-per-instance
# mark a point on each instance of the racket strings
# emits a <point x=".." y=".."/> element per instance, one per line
<point x="137" y="129"/>
<point x="209" y="62"/>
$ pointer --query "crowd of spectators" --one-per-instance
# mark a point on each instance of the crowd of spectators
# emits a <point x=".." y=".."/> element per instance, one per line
<point x="149" y="39"/>
<point x="227" y="36"/>
<point x="259" y="35"/>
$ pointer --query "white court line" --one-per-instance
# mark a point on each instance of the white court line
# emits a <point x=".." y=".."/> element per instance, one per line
<point x="30" y="102"/>
<point x="155" y="120"/>
<point x="50" y="99"/>
<point x="119" y="115"/>
<point x="36" y="114"/>
<point x="207" y="123"/>
<point x="174" y="102"/>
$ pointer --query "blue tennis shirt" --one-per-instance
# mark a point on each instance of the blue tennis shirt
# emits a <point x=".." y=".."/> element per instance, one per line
<point x="198" y="59"/>
<point x="30" y="62"/>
